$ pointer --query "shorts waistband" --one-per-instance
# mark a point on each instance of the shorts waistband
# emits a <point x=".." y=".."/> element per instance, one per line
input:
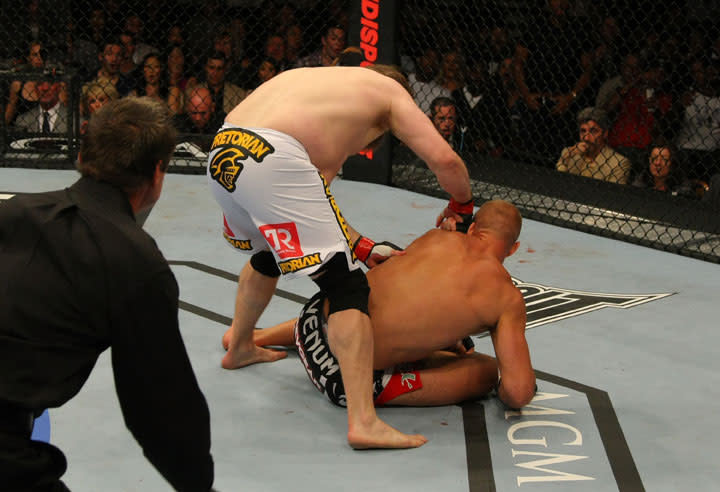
<point x="261" y="131"/>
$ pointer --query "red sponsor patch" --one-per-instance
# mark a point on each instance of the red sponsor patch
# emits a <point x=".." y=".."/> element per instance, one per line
<point x="283" y="238"/>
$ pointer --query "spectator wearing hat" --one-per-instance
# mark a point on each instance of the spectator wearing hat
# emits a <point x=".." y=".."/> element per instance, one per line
<point x="591" y="156"/>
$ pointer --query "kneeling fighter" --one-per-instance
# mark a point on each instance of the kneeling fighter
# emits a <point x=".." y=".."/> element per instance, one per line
<point x="465" y="290"/>
<point x="269" y="168"/>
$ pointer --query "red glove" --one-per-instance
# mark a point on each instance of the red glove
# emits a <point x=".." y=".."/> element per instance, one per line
<point x="372" y="253"/>
<point x="461" y="212"/>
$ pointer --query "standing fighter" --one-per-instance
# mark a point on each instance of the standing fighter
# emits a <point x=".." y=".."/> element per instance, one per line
<point x="79" y="275"/>
<point x="269" y="169"/>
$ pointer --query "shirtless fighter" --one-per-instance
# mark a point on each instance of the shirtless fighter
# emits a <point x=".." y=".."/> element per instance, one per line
<point x="269" y="168"/>
<point x="465" y="290"/>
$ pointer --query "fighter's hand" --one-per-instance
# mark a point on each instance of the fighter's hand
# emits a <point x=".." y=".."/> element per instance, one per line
<point x="372" y="253"/>
<point x="456" y="216"/>
<point x="464" y="346"/>
<point x="448" y="223"/>
<point x="579" y="148"/>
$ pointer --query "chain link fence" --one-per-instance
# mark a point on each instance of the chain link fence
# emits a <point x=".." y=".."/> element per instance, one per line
<point x="62" y="60"/>
<point x="603" y="116"/>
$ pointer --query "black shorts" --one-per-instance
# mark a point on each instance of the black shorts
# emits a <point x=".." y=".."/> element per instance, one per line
<point x="323" y="369"/>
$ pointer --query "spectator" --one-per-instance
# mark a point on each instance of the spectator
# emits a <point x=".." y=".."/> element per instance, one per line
<point x="135" y="29"/>
<point x="283" y="17"/>
<point x="110" y="60"/>
<point x="640" y="109"/>
<point x="128" y="67"/>
<point x="607" y="52"/>
<point x="238" y="33"/>
<point x="234" y="67"/>
<point x="452" y="71"/>
<point x="176" y="73"/>
<point x="699" y="136"/>
<point x="498" y="47"/>
<point x="28" y="21"/>
<point x="662" y="172"/>
<point x="551" y="67"/>
<point x="628" y="78"/>
<point x="175" y="36"/>
<point x="423" y="81"/>
<point x="225" y="95"/>
<point x="93" y="96"/>
<point x="294" y="44"/>
<point x="87" y="44"/>
<point x="510" y="90"/>
<point x="49" y="115"/>
<point x="443" y="114"/>
<point x="23" y="94"/>
<point x="265" y="71"/>
<point x="591" y="157"/>
<point x="275" y="51"/>
<point x="482" y="110"/>
<point x="154" y="83"/>
<point x="205" y="19"/>
<point x="200" y="120"/>
<point x="97" y="30"/>
<point x="332" y="43"/>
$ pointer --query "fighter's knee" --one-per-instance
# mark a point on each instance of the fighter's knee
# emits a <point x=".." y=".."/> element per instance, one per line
<point x="344" y="288"/>
<point x="264" y="262"/>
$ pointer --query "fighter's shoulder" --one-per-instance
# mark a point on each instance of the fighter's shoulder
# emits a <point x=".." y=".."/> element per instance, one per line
<point x="438" y="240"/>
<point x="501" y="281"/>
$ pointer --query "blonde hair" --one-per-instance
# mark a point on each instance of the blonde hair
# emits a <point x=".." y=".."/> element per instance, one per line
<point x="97" y="87"/>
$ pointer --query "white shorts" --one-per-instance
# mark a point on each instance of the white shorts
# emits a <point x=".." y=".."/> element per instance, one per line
<point x="273" y="197"/>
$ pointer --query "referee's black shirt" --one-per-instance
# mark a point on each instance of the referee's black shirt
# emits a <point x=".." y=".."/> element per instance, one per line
<point x="78" y="275"/>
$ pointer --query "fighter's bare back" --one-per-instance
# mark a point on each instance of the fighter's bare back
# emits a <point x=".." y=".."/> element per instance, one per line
<point x="335" y="112"/>
<point x="430" y="298"/>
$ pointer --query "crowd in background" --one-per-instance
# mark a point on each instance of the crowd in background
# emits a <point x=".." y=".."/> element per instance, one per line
<point x="508" y="84"/>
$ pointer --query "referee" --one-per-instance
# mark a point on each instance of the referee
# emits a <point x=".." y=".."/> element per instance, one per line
<point x="79" y="275"/>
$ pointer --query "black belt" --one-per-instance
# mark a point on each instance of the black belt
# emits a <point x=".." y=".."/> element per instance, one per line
<point x="16" y="420"/>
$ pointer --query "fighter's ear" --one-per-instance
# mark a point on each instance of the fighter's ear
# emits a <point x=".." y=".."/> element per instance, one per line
<point x="513" y="248"/>
<point x="471" y="228"/>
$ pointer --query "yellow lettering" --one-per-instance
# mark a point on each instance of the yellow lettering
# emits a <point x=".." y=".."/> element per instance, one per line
<point x="244" y="244"/>
<point x="296" y="264"/>
<point x="258" y="149"/>
<point x="246" y="139"/>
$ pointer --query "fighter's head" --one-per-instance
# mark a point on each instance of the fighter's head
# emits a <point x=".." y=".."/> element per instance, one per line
<point x="501" y="220"/>
<point x="392" y="72"/>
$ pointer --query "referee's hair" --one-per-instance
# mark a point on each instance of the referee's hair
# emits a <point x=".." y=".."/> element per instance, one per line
<point x="124" y="141"/>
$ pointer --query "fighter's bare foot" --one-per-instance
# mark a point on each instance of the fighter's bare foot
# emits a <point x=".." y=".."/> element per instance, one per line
<point x="382" y="435"/>
<point x="235" y="359"/>
<point x="226" y="339"/>
<point x="257" y="338"/>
